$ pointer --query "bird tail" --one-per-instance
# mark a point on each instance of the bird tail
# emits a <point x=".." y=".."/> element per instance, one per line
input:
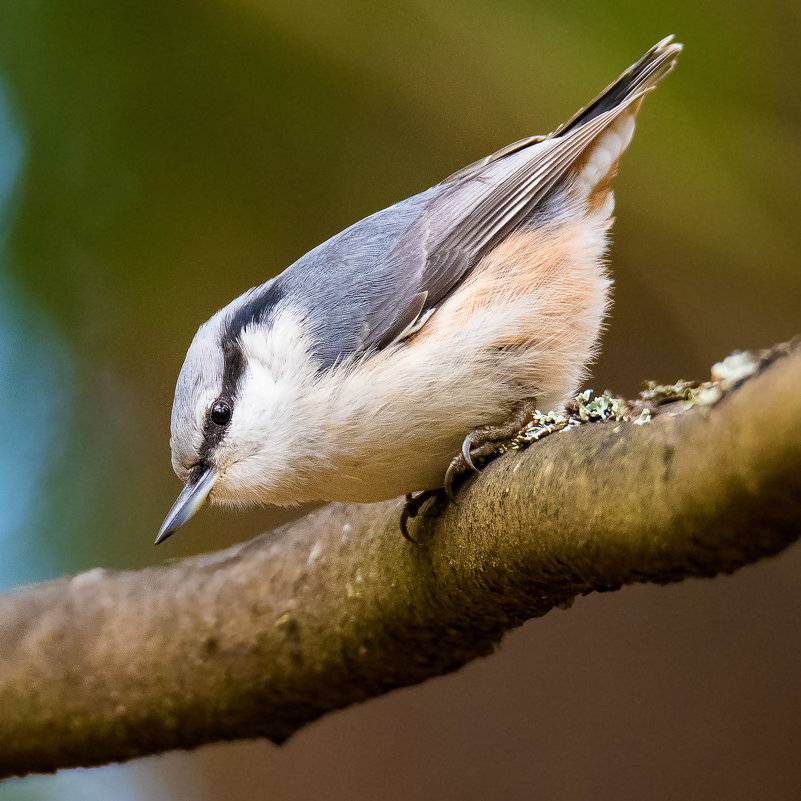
<point x="636" y="81"/>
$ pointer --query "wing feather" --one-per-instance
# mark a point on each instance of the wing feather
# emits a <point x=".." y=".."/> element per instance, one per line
<point x="478" y="206"/>
<point x="381" y="278"/>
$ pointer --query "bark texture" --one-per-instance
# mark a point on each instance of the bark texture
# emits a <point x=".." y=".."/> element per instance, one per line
<point x="337" y="607"/>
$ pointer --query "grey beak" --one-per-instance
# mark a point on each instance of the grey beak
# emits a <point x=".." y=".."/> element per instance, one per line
<point x="191" y="498"/>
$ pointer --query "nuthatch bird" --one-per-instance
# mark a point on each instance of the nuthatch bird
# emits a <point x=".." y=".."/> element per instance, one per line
<point x="359" y="372"/>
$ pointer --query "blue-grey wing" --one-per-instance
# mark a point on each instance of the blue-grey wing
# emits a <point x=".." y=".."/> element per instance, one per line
<point x="456" y="223"/>
<point x="363" y="287"/>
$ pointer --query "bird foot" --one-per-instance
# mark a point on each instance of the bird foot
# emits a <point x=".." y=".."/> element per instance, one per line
<point x="484" y="441"/>
<point x="477" y="445"/>
<point x="412" y="507"/>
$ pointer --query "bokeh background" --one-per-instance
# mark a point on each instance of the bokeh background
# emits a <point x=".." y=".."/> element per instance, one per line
<point x="156" y="159"/>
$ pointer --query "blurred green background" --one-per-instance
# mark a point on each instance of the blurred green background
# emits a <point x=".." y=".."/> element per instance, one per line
<point x="157" y="159"/>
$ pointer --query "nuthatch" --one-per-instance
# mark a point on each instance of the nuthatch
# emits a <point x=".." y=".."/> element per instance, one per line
<point x="356" y="374"/>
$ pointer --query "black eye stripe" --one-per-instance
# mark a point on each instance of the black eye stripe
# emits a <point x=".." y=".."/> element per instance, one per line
<point x="214" y="431"/>
<point x="218" y="418"/>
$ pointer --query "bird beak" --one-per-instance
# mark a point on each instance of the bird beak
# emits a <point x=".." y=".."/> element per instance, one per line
<point x="187" y="503"/>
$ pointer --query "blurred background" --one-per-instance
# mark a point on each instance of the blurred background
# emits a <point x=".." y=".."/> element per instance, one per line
<point x="157" y="159"/>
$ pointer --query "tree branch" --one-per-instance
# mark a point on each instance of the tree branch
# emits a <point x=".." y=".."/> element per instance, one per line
<point x="337" y="607"/>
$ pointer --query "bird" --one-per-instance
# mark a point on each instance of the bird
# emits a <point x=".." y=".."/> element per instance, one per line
<point x="380" y="361"/>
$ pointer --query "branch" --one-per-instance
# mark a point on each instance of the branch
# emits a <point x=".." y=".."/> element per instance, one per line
<point x="337" y="607"/>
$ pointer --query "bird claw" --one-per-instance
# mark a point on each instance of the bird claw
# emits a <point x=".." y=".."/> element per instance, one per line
<point x="476" y="445"/>
<point x="404" y="520"/>
<point x="466" y="447"/>
<point x="483" y="442"/>
<point x="412" y="508"/>
<point x="454" y="469"/>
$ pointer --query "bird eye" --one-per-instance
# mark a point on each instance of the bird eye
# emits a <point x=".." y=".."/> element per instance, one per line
<point x="221" y="413"/>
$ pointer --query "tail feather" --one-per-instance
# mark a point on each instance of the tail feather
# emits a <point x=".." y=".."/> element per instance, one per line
<point x="638" y="79"/>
